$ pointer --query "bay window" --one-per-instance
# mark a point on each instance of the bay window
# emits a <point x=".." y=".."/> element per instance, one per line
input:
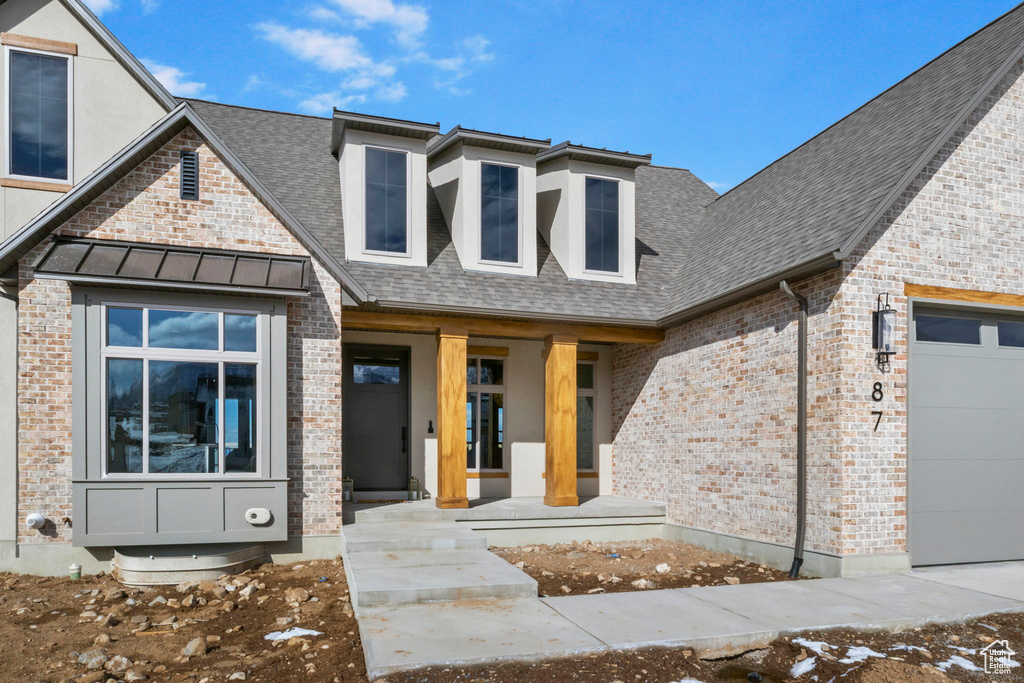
<point x="39" y="115"/>
<point x="180" y="390"/>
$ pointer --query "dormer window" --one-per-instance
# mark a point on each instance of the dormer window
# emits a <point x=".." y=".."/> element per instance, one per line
<point x="499" y="213"/>
<point x="387" y="201"/>
<point x="382" y="165"/>
<point x="486" y="186"/>
<point x="602" y="233"/>
<point x="586" y="210"/>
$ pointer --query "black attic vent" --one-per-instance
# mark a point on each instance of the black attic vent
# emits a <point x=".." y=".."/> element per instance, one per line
<point x="189" y="175"/>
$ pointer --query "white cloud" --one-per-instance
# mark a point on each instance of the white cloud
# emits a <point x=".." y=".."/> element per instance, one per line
<point x="324" y="103"/>
<point x="408" y="21"/>
<point x="150" y="6"/>
<point x="719" y="187"/>
<point x="173" y="79"/>
<point x="98" y="7"/>
<point x="324" y="14"/>
<point x="475" y="47"/>
<point x="393" y="92"/>
<point x="329" y="51"/>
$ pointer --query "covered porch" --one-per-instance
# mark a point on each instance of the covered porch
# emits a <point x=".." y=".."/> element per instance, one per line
<point x="478" y="410"/>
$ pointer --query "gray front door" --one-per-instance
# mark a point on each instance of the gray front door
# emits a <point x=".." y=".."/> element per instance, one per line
<point x="966" y="436"/>
<point x="375" y="422"/>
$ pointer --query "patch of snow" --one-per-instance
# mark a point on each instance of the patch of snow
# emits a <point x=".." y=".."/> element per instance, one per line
<point x="908" y="648"/>
<point x="688" y="680"/>
<point x="965" y="650"/>
<point x="1008" y="663"/>
<point x="800" y="668"/>
<point x="859" y="654"/>
<point x="291" y="633"/>
<point x="958" y="661"/>
<point x="815" y="645"/>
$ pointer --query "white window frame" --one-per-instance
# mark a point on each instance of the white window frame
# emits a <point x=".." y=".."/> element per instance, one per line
<point x="146" y="354"/>
<point x="489" y="389"/>
<point x="520" y="217"/>
<point x="8" y="113"/>
<point x="583" y="230"/>
<point x="408" y="203"/>
<point x="592" y="392"/>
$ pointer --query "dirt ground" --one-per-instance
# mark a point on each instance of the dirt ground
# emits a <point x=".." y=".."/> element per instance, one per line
<point x="47" y="624"/>
<point x="935" y="654"/>
<point x="585" y="567"/>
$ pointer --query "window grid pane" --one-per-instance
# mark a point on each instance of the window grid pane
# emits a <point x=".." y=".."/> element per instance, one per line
<point x="932" y="328"/>
<point x="178" y="416"/>
<point x="499" y="213"/>
<point x="38" y="102"/>
<point x="602" y="225"/>
<point x="386" y="200"/>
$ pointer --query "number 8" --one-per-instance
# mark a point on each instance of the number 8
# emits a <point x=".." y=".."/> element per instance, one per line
<point x="877" y="394"/>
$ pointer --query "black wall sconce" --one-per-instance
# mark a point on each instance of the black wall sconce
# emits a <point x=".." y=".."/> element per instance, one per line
<point x="883" y="332"/>
<point x="430" y="427"/>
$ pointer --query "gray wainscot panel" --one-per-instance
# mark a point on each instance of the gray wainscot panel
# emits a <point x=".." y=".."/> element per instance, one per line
<point x="123" y="513"/>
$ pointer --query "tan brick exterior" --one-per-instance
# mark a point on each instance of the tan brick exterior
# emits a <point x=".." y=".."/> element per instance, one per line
<point x="144" y="206"/>
<point x="706" y="420"/>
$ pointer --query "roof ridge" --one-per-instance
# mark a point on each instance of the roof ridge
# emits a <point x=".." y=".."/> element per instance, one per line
<point x="879" y="95"/>
<point x="259" y="109"/>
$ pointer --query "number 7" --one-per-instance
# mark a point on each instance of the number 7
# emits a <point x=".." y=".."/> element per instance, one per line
<point x="879" y="413"/>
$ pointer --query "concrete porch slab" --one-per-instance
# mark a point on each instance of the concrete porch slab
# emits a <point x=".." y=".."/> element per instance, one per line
<point x="483" y="509"/>
<point x="389" y="536"/>
<point x="468" y="632"/>
<point x="658" y="618"/>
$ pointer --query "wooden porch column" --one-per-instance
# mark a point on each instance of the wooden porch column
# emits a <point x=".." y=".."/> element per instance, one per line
<point x="451" y="418"/>
<point x="560" y="420"/>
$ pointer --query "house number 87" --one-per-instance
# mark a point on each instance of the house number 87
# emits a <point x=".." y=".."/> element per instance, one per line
<point x="877" y="395"/>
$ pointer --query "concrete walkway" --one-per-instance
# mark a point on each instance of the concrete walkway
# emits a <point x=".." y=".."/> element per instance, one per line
<point x="477" y="631"/>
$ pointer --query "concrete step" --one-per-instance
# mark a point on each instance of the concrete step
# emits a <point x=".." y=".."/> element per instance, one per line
<point x="424" y="511"/>
<point x="395" y="536"/>
<point x="378" y="579"/>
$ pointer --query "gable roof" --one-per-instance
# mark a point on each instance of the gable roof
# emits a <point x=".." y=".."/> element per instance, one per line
<point x="180" y="118"/>
<point x="120" y="52"/>
<point x="813" y="206"/>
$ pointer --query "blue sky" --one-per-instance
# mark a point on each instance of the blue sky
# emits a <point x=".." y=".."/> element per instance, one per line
<point x="722" y="88"/>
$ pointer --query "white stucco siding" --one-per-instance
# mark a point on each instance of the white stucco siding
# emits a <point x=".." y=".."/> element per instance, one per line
<point x="524" y="422"/>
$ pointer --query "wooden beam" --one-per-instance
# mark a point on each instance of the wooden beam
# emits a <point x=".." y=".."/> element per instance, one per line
<point x="487" y="350"/>
<point x="478" y="327"/>
<point x="43" y="44"/>
<point x="580" y="474"/>
<point x="560" y="421"/>
<point x="487" y="475"/>
<point x="972" y="296"/>
<point x="42" y="185"/>
<point x="451" y="419"/>
<point x="587" y="355"/>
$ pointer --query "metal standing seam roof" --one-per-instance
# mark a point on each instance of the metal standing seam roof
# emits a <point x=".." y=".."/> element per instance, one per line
<point x="145" y="264"/>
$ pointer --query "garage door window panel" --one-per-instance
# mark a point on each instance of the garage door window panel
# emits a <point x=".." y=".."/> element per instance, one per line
<point x="948" y="330"/>
<point x="1011" y="333"/>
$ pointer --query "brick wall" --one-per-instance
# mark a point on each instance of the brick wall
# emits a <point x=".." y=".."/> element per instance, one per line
<point x="706" y="420"/>
<point x="144" y="206"/>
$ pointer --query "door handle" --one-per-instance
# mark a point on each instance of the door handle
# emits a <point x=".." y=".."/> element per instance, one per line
<point x="403" y="438"/>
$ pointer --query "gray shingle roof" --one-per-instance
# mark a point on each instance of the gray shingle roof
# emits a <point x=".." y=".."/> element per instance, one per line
<point x="694" y="249"/>
<point x="815" y="199"/>
<point x="291" y="156"/>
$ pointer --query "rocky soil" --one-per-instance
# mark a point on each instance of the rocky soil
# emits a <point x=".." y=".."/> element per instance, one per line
<point x="575" y="568"/>
<point x="95" y="629"/>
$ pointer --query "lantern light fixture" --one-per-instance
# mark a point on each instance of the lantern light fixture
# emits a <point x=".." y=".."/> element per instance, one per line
<point x="883" y="332"/>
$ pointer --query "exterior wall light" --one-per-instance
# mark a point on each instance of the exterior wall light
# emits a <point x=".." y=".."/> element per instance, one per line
<point x="883" y="332"/>
<point x="346" y="490"/>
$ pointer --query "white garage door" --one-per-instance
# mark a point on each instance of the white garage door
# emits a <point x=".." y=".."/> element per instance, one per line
<point x="966" y="421"/>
